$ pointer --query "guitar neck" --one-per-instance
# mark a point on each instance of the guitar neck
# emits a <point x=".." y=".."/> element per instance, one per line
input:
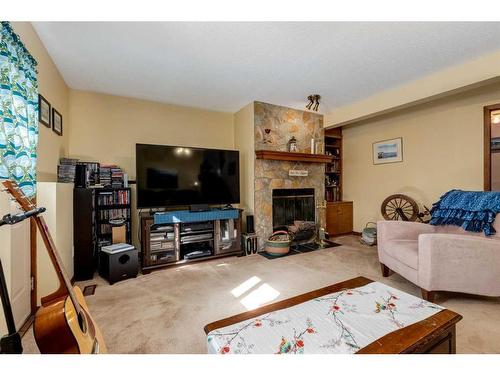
<point x="65" y="284"/>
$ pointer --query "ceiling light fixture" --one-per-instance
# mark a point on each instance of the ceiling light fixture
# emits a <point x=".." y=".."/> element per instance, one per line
<point x="313" y="102"/>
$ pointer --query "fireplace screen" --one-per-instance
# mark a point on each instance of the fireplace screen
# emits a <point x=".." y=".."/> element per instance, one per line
<point x="292" y="204"/>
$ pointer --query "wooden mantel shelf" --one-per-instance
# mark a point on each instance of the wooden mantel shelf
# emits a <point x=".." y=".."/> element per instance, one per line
<point x="293" y="156"/>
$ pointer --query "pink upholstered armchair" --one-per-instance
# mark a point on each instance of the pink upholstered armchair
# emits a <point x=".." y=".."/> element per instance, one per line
<point x="441" y="258"/>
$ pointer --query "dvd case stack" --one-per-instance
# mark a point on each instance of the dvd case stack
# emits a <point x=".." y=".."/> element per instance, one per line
<point x="116" y="177"/>
<point x="105" y="175"/>
<point x="91" y="172"/>
<point x="66" y="170"/>
<point x="117" y="213"/>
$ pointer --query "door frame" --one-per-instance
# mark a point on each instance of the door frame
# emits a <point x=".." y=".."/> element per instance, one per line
<point x="487" y="144"/>
<point x="33" y="232"/>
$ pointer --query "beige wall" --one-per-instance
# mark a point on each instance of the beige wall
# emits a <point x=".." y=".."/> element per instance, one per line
<point x="244" y="143"/>
<point x="53" y="88"/>
<point x="57" y="198"/>
<point x="106" y="128"/>
<point x="442" y="150"/>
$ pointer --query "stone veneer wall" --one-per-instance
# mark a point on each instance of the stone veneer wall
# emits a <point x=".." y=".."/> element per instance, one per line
<point x="270" y="174"/>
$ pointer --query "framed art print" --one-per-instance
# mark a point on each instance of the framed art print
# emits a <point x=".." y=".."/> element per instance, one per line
<point x="388" y="151"/>
<point x="44" y="111"/>
<point x="57" y="125"/>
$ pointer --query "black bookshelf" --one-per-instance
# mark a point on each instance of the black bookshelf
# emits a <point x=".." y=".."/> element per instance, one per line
<point x="92" y="210"/>
<point x="112" y="203"/>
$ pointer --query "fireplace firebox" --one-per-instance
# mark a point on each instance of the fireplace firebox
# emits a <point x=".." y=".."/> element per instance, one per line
<point x="290" y="205"/>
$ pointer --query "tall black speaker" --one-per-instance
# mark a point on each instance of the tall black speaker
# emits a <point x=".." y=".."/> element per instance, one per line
<point x="81" y="176"/>
<point x="250" y="226"/>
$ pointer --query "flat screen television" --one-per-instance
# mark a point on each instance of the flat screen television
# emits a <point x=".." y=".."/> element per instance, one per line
<point x="182" y="176"/>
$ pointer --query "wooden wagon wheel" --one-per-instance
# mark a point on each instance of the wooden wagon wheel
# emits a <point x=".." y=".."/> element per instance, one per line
<point x="399" y="207"/>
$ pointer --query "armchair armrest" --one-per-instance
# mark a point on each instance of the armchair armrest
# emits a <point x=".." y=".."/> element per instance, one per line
<point x="401" y="230"/>
<point x="460" y="263"/>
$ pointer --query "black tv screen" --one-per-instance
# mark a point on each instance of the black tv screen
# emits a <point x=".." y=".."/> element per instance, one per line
<point x="181" y="176"/>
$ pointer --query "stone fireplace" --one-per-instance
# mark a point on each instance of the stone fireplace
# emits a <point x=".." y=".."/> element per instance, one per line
<point x="274" y="126"/>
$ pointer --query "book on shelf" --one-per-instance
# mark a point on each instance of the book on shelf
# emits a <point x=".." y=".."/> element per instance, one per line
<point x="334" y="166"/>
<point x="117" y="197"/>
<point x="333" y="194"/>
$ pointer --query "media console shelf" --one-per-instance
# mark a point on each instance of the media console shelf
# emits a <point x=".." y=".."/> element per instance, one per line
<point x="180" y="236"/>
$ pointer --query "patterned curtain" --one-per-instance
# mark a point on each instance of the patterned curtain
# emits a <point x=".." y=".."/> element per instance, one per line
<point x="18" y="111"/>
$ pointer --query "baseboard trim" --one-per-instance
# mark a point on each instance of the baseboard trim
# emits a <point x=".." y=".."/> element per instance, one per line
<point x="356" y="233"/>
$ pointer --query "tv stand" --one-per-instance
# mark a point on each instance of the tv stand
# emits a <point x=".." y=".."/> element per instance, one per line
<point x="199" y="207"/>
<point x="183" y="241"/>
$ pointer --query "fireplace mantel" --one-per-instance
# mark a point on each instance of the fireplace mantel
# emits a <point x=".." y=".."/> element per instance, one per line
<point x="293" y="156"/>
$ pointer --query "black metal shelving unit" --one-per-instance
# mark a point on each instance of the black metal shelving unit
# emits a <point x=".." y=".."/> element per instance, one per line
<point x="91" y="214"/>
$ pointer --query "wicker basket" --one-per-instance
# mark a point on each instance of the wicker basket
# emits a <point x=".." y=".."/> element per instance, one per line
<point x="277" y="245"/>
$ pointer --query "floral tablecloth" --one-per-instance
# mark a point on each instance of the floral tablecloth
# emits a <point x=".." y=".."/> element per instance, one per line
<point x="341" y="322"/>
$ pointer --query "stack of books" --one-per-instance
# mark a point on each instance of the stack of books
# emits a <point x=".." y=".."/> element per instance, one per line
<point x="66" y="170"/>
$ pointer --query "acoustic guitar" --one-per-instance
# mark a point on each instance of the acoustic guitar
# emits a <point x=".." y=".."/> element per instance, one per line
<point x="63" y="323"/>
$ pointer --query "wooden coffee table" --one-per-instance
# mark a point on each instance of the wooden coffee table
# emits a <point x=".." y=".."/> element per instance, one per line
<point x="433" y="335"/>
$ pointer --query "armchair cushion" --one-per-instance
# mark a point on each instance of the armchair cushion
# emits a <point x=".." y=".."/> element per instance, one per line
<point x="404" y="251"/>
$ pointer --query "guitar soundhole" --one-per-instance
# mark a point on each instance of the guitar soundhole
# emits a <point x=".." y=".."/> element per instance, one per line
<point x="82" y="322"/>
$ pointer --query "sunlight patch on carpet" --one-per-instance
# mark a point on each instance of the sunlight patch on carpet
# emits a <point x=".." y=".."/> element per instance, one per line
<point x="260" y="296"/>
<point x="245" y="286"/>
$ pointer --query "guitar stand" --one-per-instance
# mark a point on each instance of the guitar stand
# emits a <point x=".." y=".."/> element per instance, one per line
<point x="10" y="343"/>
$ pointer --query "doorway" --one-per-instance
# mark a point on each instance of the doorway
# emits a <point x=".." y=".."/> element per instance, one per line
<point x="492" y="147"/>
<point x="15" y="253"/>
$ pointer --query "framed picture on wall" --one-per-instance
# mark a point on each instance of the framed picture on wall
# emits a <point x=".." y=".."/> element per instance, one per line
<point x="388" y="151"/>
<point x="43" y="111"/>
<point x="57" y="124"/>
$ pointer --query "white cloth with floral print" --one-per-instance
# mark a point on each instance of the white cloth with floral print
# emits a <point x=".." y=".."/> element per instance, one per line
<point x="341" y="322"/>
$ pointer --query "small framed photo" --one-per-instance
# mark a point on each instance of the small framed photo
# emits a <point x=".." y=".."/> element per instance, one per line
<point x="57" y="122"/>
<point x="388" y="151"/>
<point x="44" y="111"/>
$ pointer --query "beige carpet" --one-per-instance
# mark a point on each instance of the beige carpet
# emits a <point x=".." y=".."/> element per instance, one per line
<point x="165" y="311"/>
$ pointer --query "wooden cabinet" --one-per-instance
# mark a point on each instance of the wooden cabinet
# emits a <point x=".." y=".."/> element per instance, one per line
<point x="169" y="244"/>
<point x="339" y="218"/>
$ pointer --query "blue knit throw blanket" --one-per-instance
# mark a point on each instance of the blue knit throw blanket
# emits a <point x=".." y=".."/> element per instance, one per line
<point x="474" y="211"/>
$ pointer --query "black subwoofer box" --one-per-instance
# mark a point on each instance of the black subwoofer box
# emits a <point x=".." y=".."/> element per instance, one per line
<point x="119" y="266"/>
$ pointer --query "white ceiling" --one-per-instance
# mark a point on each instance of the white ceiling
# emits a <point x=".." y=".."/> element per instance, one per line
<point x="224" y="66"/>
